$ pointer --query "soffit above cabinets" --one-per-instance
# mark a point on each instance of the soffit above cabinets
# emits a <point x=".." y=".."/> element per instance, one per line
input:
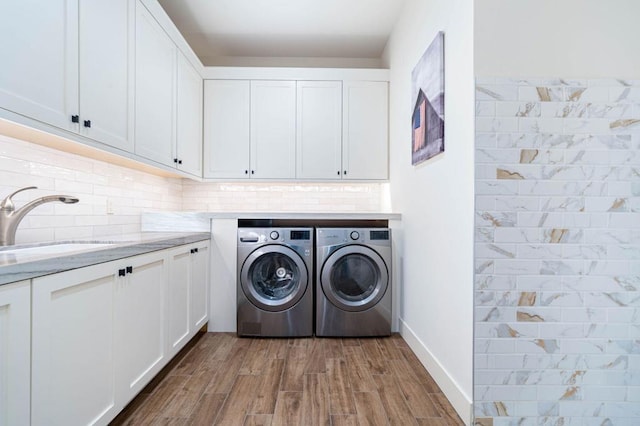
<point x="221" y="31"/>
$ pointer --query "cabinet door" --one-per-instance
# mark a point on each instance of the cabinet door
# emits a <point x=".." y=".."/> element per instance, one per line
<point x="273" y="129"/>
<point x="200" y="286"/>
<point x="189" y="118"/>
<point x="179" y="299"/>
<point x="319" y="130"/>
<point x="15" y="353"/>
<point x="226" y="128"/>
<point x="155" y="90"/>
<point x="140" y="322"/>
<point x="365" y="147"/>
<point x="73" y="347"/>
<point x="106" y="59"/>
<point x="39" y="72"/>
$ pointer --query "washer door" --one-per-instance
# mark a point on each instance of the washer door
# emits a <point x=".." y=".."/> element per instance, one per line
<point x="274" y="277"/>
<point x="354" y="278"/>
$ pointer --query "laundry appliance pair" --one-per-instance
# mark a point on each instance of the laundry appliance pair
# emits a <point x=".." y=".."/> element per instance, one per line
<point x="294" y="280"/>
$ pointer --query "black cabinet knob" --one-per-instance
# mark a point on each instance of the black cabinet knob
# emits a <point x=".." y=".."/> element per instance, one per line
<point x="253" y="172"/>
<point x="179" y="161"/>
<point x="87" y="123"/>
<point x="121" y="272"/>
<point x="246" y="172"/>
<point x="129" y="269"/>
<point x="175" y="160"/>
<point x="75" y="118"/>
<point x="344" y="173"/>
<point x="338" y="172"/>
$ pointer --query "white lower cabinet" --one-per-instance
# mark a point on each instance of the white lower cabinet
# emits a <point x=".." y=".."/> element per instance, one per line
<point x="101" y="333"/>
<point x="187" y="293"/>
<point x="15" y="349"/>
<point x="140" y="317"/>
<point x="199" y="307"/>
<point x="74" y="347"/>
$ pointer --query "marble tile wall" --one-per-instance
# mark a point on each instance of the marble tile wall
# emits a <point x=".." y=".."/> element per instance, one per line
<point x="557" y="252"/>
<point x="111" y="197"/>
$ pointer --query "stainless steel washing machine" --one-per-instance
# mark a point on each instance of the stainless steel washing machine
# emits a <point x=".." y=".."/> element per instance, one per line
<point x="353" y="282"/>
<point x="275" y="275"/>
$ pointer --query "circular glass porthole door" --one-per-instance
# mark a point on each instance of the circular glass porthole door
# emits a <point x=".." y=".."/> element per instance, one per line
<point x="354" y="278"/>
<point x="274" y="278"/>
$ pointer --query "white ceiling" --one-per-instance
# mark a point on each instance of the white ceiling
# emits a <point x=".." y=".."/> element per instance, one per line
<point x="220" y="30"/>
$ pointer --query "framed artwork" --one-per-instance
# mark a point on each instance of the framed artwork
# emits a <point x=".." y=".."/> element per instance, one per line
<point x="427" y="121"/>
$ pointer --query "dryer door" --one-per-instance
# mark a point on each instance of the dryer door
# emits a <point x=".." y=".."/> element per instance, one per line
<point x="274" y="277"/>
<point x="354" y="278"/>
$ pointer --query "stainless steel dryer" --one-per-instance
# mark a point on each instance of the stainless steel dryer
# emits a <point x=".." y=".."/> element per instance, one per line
<point x="275" y="275"/>
<point x="353" y="282"/>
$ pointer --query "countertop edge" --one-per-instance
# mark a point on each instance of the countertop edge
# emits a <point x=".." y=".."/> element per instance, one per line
<point x="52" y="265"/>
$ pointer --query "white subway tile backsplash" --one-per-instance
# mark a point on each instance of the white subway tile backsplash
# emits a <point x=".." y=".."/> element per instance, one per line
<point x="129" y="193"/>
<point x="569" y="264"/>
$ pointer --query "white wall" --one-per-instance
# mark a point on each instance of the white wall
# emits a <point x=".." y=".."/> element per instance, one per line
<point x="436" y="198"/>
<point x="568" y="38"/>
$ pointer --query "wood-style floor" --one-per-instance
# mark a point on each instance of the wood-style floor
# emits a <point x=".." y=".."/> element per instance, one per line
<point x="222" y="379"/>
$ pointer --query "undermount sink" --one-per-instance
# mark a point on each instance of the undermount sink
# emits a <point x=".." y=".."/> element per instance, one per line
<point x="19" y="254"/>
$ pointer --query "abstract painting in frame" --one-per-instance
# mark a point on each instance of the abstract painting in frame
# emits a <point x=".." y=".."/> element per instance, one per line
<point x="427" y="137"/>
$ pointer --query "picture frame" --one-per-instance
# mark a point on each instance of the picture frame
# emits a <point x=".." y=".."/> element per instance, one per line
<point x="427" y="119"/>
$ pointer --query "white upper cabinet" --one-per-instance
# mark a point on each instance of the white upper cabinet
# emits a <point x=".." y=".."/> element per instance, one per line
<point x="273" y="129"/>
<point x="250" y="129"/>
<point x="68" y="65"/>
<point x="106" y="71"/>
<point x="319" y="134"/>
<point x="168" y="110"/>
<point x="226" y="128"/>
<point x="365" y="147"/>
<point x="39" y="72"/>
<point x="189" y="118"/>
<point x="155" y="90"/>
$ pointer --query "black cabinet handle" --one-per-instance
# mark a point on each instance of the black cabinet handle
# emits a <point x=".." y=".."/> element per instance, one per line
<point x="179" y="161"/>
<point x="192" y="251"/>
<point x="75" y="118"/>
<point x="175" y="160"/>
<point x="129" y="269"/>
<point x="121" y="272"/>
<point x="195" y="249"/>
<point x="344" y="173"/>
<point x="87" y="123"/>
<point x="338" y="172"/>
<point x="253" y="172"/>
<point x="246" y="172"/>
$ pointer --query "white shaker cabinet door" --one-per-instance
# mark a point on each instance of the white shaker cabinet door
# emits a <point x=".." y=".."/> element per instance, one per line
<point x="200" y="286"/>
<point x="73" y="347"/>
<point x="273" y="129"/>
<point x="189" y="118"/>
<point x="365" y="147"/>
<point x="106" y="71"/>
<point x="226" y="128"/>
<point x="39" y="72"/>
<point x="15" y="351"/>
<point x="179" y="299"/>
<point x="155" y="90"/>
<point x="140" y="322"/>
<point x="319" y="130"/>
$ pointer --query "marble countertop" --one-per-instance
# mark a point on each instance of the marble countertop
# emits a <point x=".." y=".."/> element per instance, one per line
<point x="20" y="262"/>
<point x="201" y="221"/>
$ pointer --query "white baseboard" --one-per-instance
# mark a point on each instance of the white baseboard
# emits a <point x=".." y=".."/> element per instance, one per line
<point x="458" y="398"/>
